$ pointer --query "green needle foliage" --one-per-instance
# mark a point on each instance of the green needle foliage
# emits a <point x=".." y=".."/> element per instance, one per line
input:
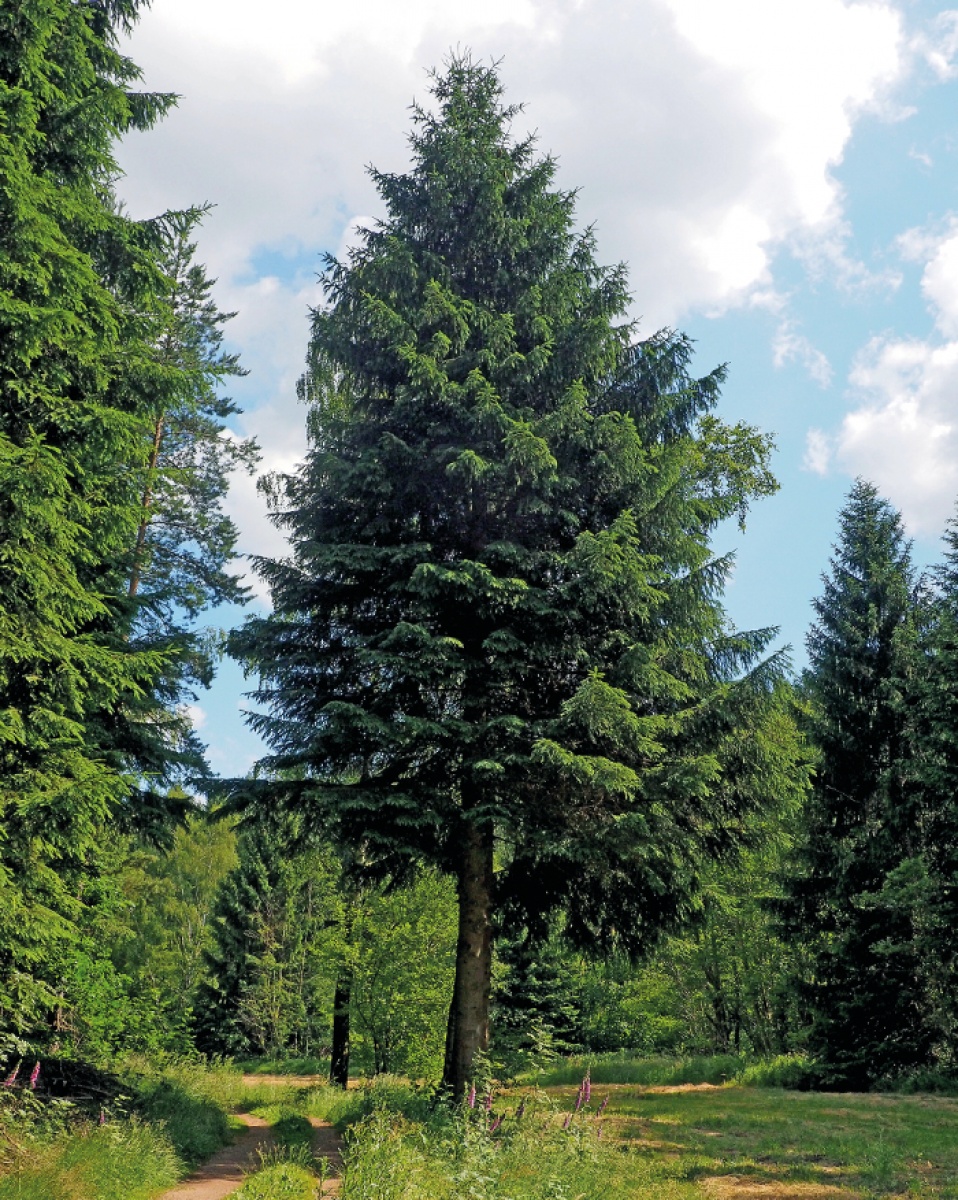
<point x="867" y="991"/>
<point x="112" y="472"/>
<point x="178" y="564"/>
<point x="498" y="643"/>
<point x="70" y="436"/>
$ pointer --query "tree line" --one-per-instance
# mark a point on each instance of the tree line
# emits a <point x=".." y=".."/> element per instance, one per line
<point x="528" y="787"/>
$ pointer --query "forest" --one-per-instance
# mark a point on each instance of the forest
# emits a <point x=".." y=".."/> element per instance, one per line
<point x="535" y="814"/>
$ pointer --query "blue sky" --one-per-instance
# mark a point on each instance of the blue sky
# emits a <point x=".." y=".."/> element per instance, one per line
<point x="779" y="174"/>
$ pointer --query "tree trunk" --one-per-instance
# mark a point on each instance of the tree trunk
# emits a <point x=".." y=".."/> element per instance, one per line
<point x="146" y="502"/>
<point x="451" y="1025"/>
<point x="339" y="1064"/>
<point x="469" y="1024"/>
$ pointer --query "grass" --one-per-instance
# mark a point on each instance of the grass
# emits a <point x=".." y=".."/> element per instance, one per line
<point x="285" y="1066"/>
<point x="677" y="1141"/>
<point x="169" y="1119"/>
<point x="784" y="1141"/>
<point x="121" y="1159"/>
<point x="781" y="1071"/>
<point x="674" y="1129"/>
<point x="282" y="1176"/>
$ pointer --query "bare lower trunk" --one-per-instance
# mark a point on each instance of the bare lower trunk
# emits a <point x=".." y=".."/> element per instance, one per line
<point x="451" y="1025"/>
<point x="339" y="1063"/>
<point x="469" y="1020"/>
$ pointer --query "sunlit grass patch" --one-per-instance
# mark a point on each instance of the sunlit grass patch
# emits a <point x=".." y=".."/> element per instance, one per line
<point x="281" y="1176"/>
<point x="123" y="1159"/>
<point x="285" y="1066"/>
<point x="776" y="1142"/>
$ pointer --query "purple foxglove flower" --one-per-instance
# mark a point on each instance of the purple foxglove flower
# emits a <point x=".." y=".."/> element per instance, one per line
<point x="568" y="1121"/>
<point x="588" y="1089"/>
<point x="35" y="1076"/>
<point x="598" y="1133"/>
<point x="489" y="1102"/>
<point x="602" y="1108"/>
<point x="495" y="1124"/>
<point x="578" y="1100"/>
<point x="11" y="1078"/>
<point x="472" y="1096"/>
<point x="102" y="1117"/>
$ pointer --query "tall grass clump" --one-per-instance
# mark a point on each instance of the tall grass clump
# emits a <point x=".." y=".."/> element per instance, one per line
<point x="189" y="1102"/>
<point x="282" y="1175"/>
<point x="285" y="1066"/>
<point x="487" y="1152"/>
<point x="785" y="1070"/>
<point x="626" y="1068"/>
<point x="126" y="1159"/>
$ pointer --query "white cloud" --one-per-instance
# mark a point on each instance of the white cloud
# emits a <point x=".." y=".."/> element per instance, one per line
<point x="818" y="452"/>
<point x="197" y="715"/>
<point x="702" y="135"/>
<point x="791" y="346"/>
<point x="903" y="431"/>
<point x="938" y="44"/>
<point x="904" y="434"/>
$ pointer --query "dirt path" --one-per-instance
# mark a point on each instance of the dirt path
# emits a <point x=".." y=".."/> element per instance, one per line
<point x="329" y="1145"/>
<point x="224" y="1173"/>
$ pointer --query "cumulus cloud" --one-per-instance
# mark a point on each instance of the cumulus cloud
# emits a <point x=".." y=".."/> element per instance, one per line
<point x="703" y="137"/>
<point x="903" y="433"/>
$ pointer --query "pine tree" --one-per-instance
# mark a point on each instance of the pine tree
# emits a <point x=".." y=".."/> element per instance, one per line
<point x="868" y="996"/>
<point x="498" y="644"/>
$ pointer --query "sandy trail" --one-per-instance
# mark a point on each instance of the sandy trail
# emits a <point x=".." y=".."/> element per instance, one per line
<point x="224" y="1173"/>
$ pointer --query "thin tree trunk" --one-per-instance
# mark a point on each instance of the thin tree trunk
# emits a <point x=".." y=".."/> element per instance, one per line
<point x="147" y="501"/>
<point x="450" y="1034"/>
<point x="339" y="1063"/>
<point x="470" y="1034"/>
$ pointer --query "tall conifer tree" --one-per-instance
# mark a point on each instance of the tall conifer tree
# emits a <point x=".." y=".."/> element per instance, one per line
<point x="867" y="997"/>
<point x="498" y="642"/>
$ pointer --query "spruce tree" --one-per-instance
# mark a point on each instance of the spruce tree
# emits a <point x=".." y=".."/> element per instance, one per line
<point x="267" y="984"/>
<point x="71" y="440"/>
<point x="867" y="995"/>
<point x="926" y="885"/>
<point x="177" y="565"/>
<point x="498" y="643"/>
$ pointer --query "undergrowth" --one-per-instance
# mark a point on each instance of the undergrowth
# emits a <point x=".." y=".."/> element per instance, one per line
<point x="126" y="1159"/>
<point x="406" y="1148"/>
<point x="782" y="1071"/>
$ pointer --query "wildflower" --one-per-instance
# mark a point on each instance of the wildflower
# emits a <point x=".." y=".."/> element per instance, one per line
<point x="102" y="1117"/>
<point x="472" y="1097"/>
<point x="489" y="1102"/>
<point x="35" y="1076"/>
<point x="10" y="1079"/>
<point x="568" y="1121"/>
<point x="604" y="1103"/>
<point x="495" y="1124"/>
<point x="598" y="1133"/>
<point x="587" y="1085"/>
<point x="578" y="1100"/>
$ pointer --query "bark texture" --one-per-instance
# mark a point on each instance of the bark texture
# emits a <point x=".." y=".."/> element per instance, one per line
<point x="339" y="1063"/>
<point x="469" y="1020"/>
